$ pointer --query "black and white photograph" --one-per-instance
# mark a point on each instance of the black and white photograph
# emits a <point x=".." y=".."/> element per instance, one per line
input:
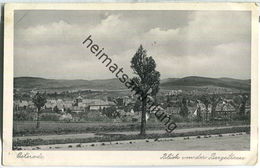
<point x="132" y="80"/>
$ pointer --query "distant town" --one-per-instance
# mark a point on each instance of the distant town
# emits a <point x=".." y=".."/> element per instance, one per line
<point x="122" y="105"/>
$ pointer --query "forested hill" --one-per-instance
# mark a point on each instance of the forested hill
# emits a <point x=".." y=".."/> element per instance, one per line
<point x="115" y="84"/>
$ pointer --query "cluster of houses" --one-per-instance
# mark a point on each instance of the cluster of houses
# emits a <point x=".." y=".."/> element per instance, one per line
<point x="78" y="105"/>
<point x="174" y="92"/>
<point x="83" y="105"/>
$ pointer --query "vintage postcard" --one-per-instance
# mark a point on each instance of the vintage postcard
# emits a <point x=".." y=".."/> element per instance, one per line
<point x="109" y="84"/>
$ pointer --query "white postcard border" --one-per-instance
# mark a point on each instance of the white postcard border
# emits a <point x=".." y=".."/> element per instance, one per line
<point x="127" y="158"/>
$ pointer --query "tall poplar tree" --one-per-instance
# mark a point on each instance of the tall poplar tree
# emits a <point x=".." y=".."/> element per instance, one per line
<point x="147" y="79"/>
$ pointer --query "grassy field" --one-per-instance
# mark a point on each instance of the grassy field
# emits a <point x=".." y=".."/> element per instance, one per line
<point x="27" y="128"/>
<point x="108" y="138"/>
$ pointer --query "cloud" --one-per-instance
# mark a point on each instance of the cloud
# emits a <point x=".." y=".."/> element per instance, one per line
<point x="55" y="33"/>
<point x="202" y="43"/>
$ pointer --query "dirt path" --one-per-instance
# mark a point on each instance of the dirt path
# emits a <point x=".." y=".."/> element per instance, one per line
<point x="90" y="135"/>
<point x="241" y="142"/>
<point x="238" y="141"/>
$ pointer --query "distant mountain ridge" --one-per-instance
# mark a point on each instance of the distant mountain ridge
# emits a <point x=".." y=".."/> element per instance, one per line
<point x="115" y="84"/>
<point x="205" y="81"/>
<point x="42" y="83"/>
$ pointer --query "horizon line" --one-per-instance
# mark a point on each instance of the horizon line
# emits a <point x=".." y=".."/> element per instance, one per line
<point x="117" y="78"/>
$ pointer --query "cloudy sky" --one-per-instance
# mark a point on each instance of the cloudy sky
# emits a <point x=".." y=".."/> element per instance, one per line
<point x="183" y="43"/>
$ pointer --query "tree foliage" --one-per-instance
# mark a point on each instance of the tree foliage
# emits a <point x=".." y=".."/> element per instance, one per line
<point x="184" y="111"/>
<point x="214" y="100"/>
<point x="39" y="101"/>
<point x="56" y="109"/>
<point x="205" y="99"/>
<point x="147" y="79"/>
<point x="111" y="112"/>
<point x="239" y="102"/>
<point x="137" y="105"/>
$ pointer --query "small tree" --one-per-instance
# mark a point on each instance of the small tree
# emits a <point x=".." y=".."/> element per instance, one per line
<point x="206" y="101"/>
<point x="184" y="111"/>
<point x="39" y="101"/>
<point x="242" y="108"/>
<point x="68" y="110"/>
<point x="56" y="109"/>
<point x="147" y="79"/>
<point x="111" y="112"/>
<point x="199" y="117"/>
<point x="55" y="95"/>
<point x="214" y="100"/>
<point x="239" y="102"/>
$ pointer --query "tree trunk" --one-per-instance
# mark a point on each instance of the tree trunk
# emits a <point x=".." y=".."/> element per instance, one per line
<point x="199" y="114"/>
<point x="242" y="109"/>
<point x="38" y="119"/>
<point x="143" y="118"/>
<point x="207" y="112"/>
<point x="213" y="111"/>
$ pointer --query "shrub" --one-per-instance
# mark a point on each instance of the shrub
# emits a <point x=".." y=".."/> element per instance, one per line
<point x="126" y="118"/>
<point x="49" y="117"/>
<point x="23" y="116"/>
<point x="66" y="117"/>
<point x="178" y="118"/>
<point x="111" y="112"/>
<point x="92" y="116"/>
<point x="245" y="117"/>
<point x="193" y="118"/>
<point x="134" y="119"/>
